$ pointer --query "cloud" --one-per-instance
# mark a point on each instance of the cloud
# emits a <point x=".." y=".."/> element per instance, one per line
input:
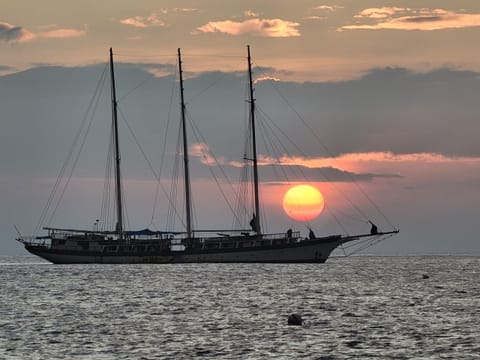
<point x="324" y="174"/>
<point x="342" y="160"/>
<point x="10" y="33"/>
<point x="314" y="17"/>
<point x="266" y="78"/>
<point x="202" y="151"/>
<point x="328" y="7"/>
<point x="251" y="13"/>
<point x="152" y="20"/>
<point x="380" y="13"/>
<point x="62" y="33"/>
<point x="393" y="18"/>
<point x="324" y="9"/>
<point x="258" y="27"/>
<point x="185" y="10"/>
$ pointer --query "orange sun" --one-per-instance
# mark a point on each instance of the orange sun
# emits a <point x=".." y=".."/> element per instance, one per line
<point x="303" y="202"/>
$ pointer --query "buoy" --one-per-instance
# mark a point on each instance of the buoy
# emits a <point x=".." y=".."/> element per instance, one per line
<point x="295" y="319"/>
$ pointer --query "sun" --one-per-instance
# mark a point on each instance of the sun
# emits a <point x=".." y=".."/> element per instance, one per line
<point x="303" y="202"/>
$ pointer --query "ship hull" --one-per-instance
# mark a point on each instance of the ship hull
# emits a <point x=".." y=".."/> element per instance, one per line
<point x="311" y="252"/>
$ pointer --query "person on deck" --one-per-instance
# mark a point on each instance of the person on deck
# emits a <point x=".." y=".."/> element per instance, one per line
<point x="254" y="224"/>
<point x="289" y="233"/>
<point x="374" y="229"/>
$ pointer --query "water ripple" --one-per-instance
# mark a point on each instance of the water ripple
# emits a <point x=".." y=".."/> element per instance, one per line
<point x="352" y="307"/>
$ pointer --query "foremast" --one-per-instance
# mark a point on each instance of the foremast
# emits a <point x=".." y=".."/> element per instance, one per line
<point x="118" y="182"/>
<point x="256" y="215"/>
<point x="188" y="208"/>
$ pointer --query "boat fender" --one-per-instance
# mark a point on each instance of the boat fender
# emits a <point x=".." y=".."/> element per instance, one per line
<point x="295" y="319"/>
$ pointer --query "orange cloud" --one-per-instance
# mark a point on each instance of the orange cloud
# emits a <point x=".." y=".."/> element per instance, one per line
<point x="259" y="27"/>
<point x="380" y="13"/>
<point x="62" y="33"/>
<point x="143" y="21"/>
<point x="422" y="19"/>
<point x="354" y="160"/>
<point x="202" y="151"/>
<point x="250" y="13"/>
<point x="370" y="157"/>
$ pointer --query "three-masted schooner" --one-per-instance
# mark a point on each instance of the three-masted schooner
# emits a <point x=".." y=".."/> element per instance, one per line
<point x="68" y="246"/>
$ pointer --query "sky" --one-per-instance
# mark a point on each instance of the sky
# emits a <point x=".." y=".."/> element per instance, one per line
<point x="388" y="91"/>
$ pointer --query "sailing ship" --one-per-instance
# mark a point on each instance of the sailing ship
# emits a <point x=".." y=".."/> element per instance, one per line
<point x="252" y="245"/>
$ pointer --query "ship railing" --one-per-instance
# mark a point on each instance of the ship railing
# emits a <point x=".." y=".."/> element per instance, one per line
<point x="285" y="235"/>
<point x="38" y="241"/>
<point x="251" y="235"/>
<point x="254" y="239"/>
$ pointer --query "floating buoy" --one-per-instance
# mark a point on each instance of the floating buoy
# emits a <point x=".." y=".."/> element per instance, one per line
<point x="295" y="319"/>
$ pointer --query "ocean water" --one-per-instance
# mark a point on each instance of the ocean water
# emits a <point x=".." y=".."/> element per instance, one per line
<point x="355" y="307"/>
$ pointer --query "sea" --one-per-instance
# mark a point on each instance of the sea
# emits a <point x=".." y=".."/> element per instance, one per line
<point x="419" y="307"/>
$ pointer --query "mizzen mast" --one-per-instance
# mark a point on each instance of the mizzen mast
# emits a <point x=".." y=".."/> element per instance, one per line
<point x="118" y="181"/>
<point x="185" y="152"/>
<point x="256" y="218"/>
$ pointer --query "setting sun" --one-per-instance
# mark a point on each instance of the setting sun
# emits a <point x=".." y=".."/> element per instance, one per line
<point x="303" y="202"/>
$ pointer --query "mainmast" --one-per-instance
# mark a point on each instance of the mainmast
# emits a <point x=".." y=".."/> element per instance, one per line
<point x="118" y="183"/>
<point x="256" y="219"/>
<point x="185" y="152"/>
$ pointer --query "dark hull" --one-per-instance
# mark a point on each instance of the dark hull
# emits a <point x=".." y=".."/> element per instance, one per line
<point x="312" y="251"/>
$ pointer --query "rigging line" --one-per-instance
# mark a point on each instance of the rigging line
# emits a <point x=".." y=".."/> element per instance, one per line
<point x="199" y="136"/>
<point x="91" y="105"/>
<point x="143" y="82"/>
<point x="335" y="217"/>
<point x="82" y="144"/>
<point x="172" y="208"/>
<point x="135" y="139"/>
<point x="327" y="178"/>
<point x="370" y="244"/>
<point x="144" y="56"/>
<point x="362" y="242"/>
<point x="195" y="96"/>
<point x="333" y="214"/>
<point x="164" y="145"/>
<point x="125" y="212"/>
<point x="268" y="143"/>
<point x="359" y="242"/>
<point x="141" y="149"/>
<point x="271" y="126"/>
<point x="331" y="155"/>
<point x="215" y="56"/>
<point x="352" y="217"/>
<point x="299" y="168"/>
<point x="105" y="208"/>
<point x="343" y="249"/>
<point x="265" y="127"/>
<point x="245" y="201"/>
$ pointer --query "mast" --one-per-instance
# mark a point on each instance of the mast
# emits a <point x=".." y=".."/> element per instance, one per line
<point x="254" y="147"/>
<point x="185" y="151"/>
<point x="118" y="183"/>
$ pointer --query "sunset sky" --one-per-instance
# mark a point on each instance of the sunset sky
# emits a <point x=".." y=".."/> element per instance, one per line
<point x="390" y="87"/>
